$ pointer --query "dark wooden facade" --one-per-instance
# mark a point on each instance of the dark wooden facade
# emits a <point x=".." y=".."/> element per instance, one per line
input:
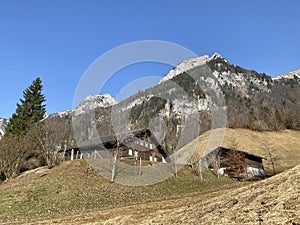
<point x="235" y="164"/>
<point x="136" y="145"/>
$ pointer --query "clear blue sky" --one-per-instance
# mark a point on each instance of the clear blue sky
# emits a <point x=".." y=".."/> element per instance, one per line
<point x="58" y="39"/>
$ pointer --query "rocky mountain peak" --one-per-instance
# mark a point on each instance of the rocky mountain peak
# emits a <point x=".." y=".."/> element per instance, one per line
<point x="291" y="75"/>
<point x="91" y="102"/>
<point x="215" y="56"/>
<point x="190" y="64"/>
<point x="100" y="100"/>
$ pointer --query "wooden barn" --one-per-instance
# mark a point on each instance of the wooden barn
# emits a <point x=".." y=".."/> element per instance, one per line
<point x="138" y="144"/>
<point x="235" y="164"/>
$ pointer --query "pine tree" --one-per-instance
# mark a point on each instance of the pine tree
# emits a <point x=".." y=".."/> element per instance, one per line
<point x="30" y="110"/>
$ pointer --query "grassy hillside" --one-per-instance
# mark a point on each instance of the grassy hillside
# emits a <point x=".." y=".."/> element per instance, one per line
<point x="271" y="201"/>
<point x="284" y="145"/>
<point x="74" y="189"/>
<point x="73" y="193"/>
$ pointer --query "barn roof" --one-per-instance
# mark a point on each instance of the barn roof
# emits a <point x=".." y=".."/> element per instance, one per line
<point x="209" y="158"/>
<point x="220" y="149"/>
<point x="137" y="147"/>
<point x="127" y="139"/>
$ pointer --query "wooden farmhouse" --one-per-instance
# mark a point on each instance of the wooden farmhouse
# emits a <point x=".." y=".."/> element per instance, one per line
<point x="136" y="145"/>
<point x="235" y="164"/>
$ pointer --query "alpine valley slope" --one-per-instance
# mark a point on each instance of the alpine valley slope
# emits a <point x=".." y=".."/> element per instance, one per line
<point x="252" y="100"/>
<point x="271" y="201"/>
<point x="72" y="193"/>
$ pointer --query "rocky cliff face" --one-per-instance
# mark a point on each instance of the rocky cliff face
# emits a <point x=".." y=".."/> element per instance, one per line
<point x="225" y="72"/>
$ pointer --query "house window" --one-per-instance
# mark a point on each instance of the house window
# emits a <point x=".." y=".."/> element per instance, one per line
<point x="130" y="152"/>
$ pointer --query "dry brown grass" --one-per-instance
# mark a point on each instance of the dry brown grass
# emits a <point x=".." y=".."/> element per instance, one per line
<point x="272" y="201"/>
<point x="73" y="188"/>
<point x="285" y="145"/>
<point x="73" y="194"/>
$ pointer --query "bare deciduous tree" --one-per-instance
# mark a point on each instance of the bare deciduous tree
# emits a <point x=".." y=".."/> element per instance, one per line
<point x="216" y="165"/>
<point x="197" y="167"/>
<point x="52" y="135"/>
<point x="115" y="155"/>
<point x="121" y="129"/>
<point x="13" y="152"/>
<point x="271" y="156"/>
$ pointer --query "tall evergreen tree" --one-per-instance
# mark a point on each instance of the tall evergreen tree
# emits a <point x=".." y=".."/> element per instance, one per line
<point x="30" y="110"/>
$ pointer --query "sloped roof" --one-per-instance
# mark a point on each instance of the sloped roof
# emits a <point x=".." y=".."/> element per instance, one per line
<point x="209" y="158"/>
<point x="220" y="149"/>
<point x="127" y="138"/>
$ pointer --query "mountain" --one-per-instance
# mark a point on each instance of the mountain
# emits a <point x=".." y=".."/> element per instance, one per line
<point x="61" y="114"/>
<point x="93" y="101"/>
<point x="291" y="75"/>
<point x="229" y="76"/>
<point x="185" y="104"/>
<point x="90" y="103"/>
<point x="189" y="64"/>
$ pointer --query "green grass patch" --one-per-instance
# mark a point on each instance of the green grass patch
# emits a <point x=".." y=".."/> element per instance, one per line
<point x="74" y="188"/>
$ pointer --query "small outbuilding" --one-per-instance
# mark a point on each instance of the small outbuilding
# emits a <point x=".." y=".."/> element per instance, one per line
<point x="235" y="164"/>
